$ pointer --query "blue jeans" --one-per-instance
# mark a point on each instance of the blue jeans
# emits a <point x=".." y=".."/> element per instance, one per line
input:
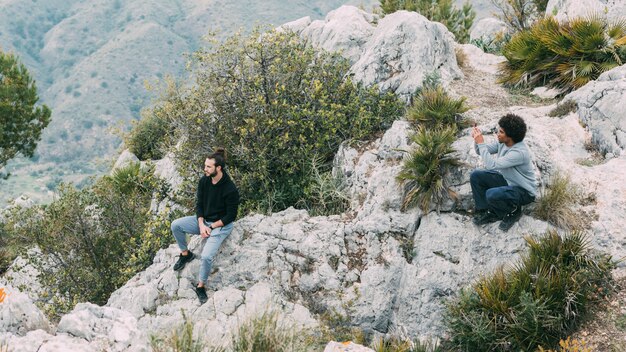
<point x="189" y="225"/>
<point x="492" y="192"/>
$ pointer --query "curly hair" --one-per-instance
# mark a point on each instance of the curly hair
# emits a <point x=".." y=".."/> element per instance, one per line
<point x="513" y="126"/>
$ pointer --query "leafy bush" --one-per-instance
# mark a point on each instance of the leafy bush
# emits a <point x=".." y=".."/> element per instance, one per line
<point x="556" y="204"/>
<point x="147" y="136"/>
<point x="563" y="55"/>
<point x="272" y="102"/>
<point x="539" y="300"/>
<point x="424" y="172"/>
<point x="325" y="195"/>
<point x="458" y="21"/>
<point x="563" y="108"/>
<point x="92" y="240"/>
<point x="434" y="108"/>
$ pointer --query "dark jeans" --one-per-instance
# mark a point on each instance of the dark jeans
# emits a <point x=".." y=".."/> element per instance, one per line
<point x="492" y="192"/>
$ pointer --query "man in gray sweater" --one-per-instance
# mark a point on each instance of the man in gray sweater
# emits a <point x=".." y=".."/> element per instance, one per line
<point x="508" y="180"/>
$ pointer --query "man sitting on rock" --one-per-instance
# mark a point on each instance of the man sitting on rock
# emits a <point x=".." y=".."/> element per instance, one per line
<point x="508" y="182"/>
<point x="217" y="201"/>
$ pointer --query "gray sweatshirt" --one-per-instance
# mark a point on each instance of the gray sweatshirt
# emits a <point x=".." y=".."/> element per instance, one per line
<point x="513" y="163"/>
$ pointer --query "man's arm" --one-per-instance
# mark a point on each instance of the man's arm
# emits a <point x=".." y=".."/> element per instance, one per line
<point x="511" y="159"/>
<point x="492" y="148"/>
<point x="204" y="230"/>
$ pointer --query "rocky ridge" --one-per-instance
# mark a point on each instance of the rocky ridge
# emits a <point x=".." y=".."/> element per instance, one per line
<point x="387" y="270"/>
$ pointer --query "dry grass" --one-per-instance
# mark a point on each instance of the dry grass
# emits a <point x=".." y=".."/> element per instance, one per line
<point x="558" y="201"/>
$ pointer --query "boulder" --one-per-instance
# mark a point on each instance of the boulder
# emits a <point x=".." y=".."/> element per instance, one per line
<point x="348" y="346"/>
<point x="344" y="30"/>
<point x="488" y="30"/>
<point x="566" y="10"/>
<point x="19" y="315"/>
<point x="404" y="49"/>
<point x="600" y="108"/>
<point x="481" y="61"/>
<point x="125" y="159"/>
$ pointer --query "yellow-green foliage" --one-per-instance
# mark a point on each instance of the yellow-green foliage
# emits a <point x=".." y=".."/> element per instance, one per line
<point x="569" y="345"/>
<point x="541" y="299"/>
<point x="273" y="103"/>
<point x="425" y="169"/>
<point x="94" y="239"/>
<point x="458" y="21"/>
<point x="563" y="55"/>
<point x="434" y="108"/>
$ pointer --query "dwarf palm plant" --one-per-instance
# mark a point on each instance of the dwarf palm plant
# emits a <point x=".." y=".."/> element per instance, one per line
<point x="539" y="300"/>
<point x="424" y="172"/>
<point x="564" y="55"/>
<point x="433" y="107"/>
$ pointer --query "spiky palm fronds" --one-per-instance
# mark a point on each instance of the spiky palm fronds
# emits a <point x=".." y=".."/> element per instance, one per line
<point x="565" y="55"/>
<point x="424" y="172"/>
<point x="433" y="107"/>
<point x="538" y="300"/>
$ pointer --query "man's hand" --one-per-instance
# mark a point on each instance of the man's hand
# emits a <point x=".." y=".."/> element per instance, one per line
<point x="205" y="231"/>
<point x="477" y="135"/>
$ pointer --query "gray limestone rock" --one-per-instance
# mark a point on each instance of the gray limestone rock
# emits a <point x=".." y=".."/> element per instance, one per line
<point x="565" y="10"/>
<point x="600" y="107"/>
<point x="403" y="50"/>
<point x="487" y="30"/>
<point x="344" y="30"/>
<point x="125" y="159"/>
<point x="19" y="315"/>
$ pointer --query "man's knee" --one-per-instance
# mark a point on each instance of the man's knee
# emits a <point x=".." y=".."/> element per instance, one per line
<point x="207" y="257"/>
<point x="476" y="175"/>
<point x="493" y="195"/>
<point x="176" y="225"/>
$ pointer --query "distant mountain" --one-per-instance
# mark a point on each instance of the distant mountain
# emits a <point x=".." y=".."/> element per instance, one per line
<point x="91" y="58"/>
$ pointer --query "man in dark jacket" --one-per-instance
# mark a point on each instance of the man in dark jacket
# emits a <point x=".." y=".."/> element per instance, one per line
<point x="217" y="201"/>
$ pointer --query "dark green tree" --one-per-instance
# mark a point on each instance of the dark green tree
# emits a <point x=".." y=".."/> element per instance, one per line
<point x="21" y="122"/>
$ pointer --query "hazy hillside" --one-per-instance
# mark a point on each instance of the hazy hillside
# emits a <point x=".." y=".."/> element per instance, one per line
<point x="91" y="58"/>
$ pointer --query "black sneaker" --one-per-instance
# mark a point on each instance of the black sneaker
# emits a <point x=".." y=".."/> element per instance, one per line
<point x="510" y="219"/>
<point x="183" y="260"/>
<point x="485" y="217"/>
<point x="201" y="292"/>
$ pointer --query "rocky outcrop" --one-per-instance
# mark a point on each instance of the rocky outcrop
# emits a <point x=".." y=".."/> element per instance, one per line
<point x="19" y="315"/>
<point x="569" y="9"/>
<point x="396" y="52"/>
<point x="479" y="60"/>
<point x="487" y="30"/>
<point x="600" y="107"/>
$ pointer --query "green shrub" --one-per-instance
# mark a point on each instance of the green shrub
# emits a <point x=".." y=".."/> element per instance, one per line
<point x="540" y="300"/>
<point x="458" y="21"/>
<point x="326" y="194"/>
<point x="424" y="171"/>
<point x="147" y="136"/>
<point x="563" y="109"/>
<point x="272" y="102"/>
<point x="556" y="203"/>
<point x="92" y="240"/>
<point x="564" y="56"/>
<point x="434" y="108"/>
